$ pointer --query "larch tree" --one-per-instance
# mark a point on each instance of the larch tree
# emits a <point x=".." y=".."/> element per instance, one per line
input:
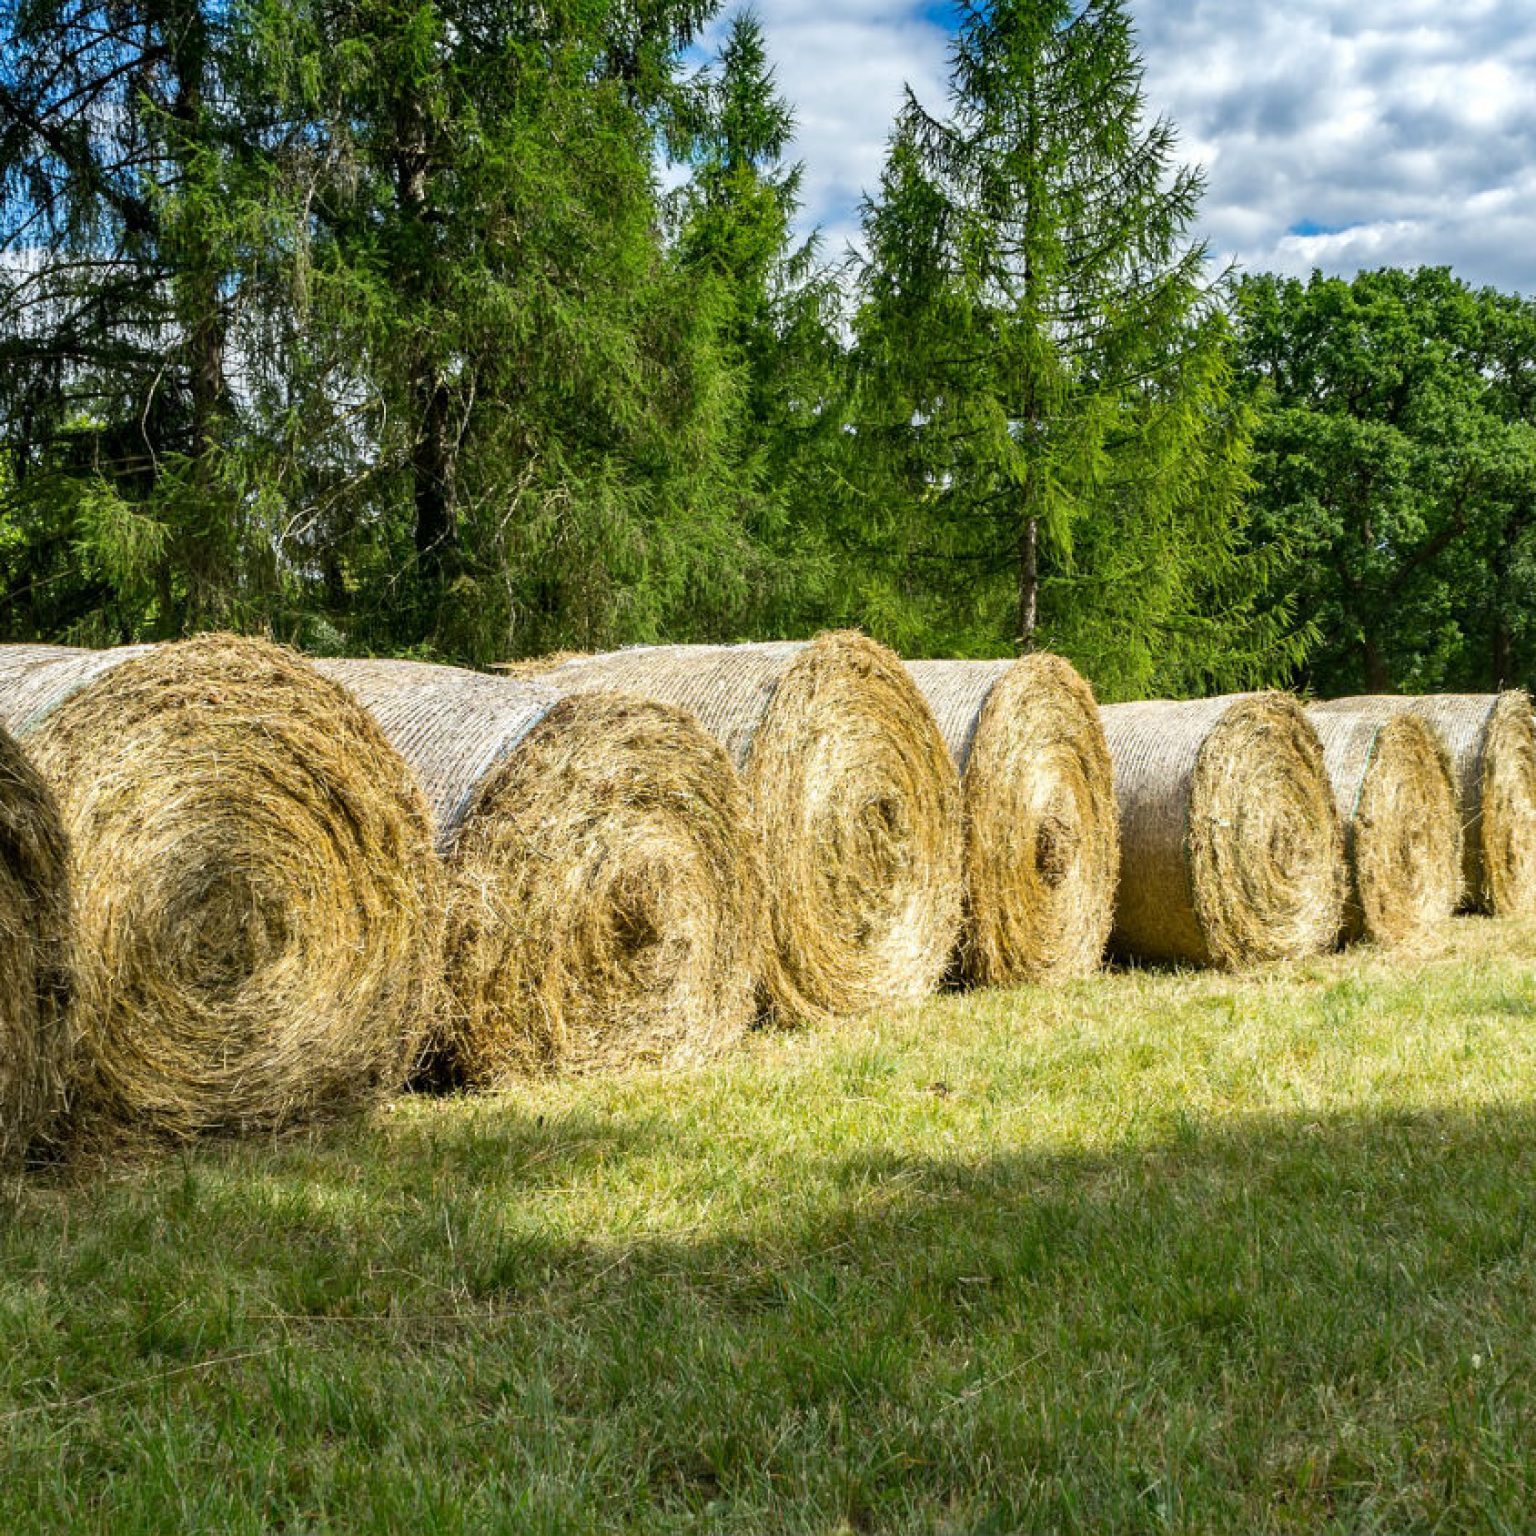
<point x="1050" y="446"/>
<point x="735" y="229"/>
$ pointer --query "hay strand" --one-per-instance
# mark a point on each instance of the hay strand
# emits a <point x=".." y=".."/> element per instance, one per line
<point x="1042" y="842"/>
<point x="1231" y="850"/>
<point x="257" y="899"/>
<point x="1492" y="742"/>
<point x="855" y="798"/>
<point x="605" y="902"/>
<point x="36" y="955"/>
<point x="1395" y="790"/>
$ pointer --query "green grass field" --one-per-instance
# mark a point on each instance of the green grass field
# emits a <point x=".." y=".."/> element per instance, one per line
<point x="1148" y="1253"/>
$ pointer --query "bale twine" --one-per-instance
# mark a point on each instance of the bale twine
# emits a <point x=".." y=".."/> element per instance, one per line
<point x="605" y="897"/>
<point x="1042" y="843"/>
<point x="1395" y="790"/>
<point x="36" y="954"/>
<point x="258" y="903"/>
<point x="1492" y="742"/>
<point x="855" y="798"/>
<point x="1231" y="852"/>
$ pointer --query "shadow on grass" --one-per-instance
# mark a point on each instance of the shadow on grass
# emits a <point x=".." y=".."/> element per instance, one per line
<point x="1287" y="1323"/>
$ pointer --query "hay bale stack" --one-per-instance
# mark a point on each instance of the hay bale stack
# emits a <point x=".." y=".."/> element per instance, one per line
<point x="36" y="954"/>
<point x="258" y="903"/>
<point x="1042" y="842"/>
<point x="605" y="898"/>
<point x="1231" y="852"/>
<point x="856" y="801"/>
<point x="1492" y="742"/>
<point x="1395" y="790"/>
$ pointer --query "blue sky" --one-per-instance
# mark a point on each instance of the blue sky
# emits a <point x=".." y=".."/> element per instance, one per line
<point x="1334" y="133"/>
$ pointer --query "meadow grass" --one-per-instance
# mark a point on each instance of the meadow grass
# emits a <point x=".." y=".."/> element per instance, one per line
<point x="1151" y="1252"/>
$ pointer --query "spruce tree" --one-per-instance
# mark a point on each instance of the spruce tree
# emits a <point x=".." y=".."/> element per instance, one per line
<point x="355" y="320"/>
<point x="112" y="350"/>
<point x="781" y="307"/>
<point x="1049" y="446"/>
<point x="128" y="163"/>
<point x="529" y="441"/>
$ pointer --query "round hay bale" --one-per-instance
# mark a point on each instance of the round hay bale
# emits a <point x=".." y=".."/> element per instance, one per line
<point x="1231" y="852"/>
<point x="605" y="898"/>
<point x="1492" y="742"/>
<point x="36" y="954"/>
<point x="855" y="798"/>
<point x="1042" y="842"/>
<point x="258" y="903"/>
<point x="1396" y="794"/>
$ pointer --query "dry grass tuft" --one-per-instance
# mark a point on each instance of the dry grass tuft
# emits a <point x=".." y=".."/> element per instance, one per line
<point x="36" y="954"/>
<point x="257" y="900"/>
<point x="1396" y="793"/>
<point x="856" y="801"/>
<point x="1042" y="842"/>
<point x="605" y="905"/>
<point x="1231" y="850"/>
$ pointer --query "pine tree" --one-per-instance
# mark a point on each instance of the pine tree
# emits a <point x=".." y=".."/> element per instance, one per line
<point x="1050" y="449"/>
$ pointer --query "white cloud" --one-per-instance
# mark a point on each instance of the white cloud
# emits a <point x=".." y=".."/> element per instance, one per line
<point x="1356" y="133"/>
<point x="844" y="65"/>
<point x="1339" y="133"/>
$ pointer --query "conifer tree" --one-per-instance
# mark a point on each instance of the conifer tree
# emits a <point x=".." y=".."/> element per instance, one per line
<point x="118" y="210"/>
<point x="735" y="222"/>
<point x="539" y="400"/>
<point x="1050" y="449"/>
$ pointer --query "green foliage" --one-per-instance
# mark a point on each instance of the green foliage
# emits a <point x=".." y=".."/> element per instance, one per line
<point x="367" y="323"/>
<point x="1397" y="458"/>
<point x="365" y="308"/>
<point x="535" y="446"/>
<point x="735" y="212"/>
<point x="128" y="188"/>
<point x="1050" y="447"/>
<point x="782" y="322"/>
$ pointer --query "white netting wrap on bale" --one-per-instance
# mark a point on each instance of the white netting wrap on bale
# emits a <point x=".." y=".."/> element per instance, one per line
<point x="605" y="904"/>
<point x="1396" y="792"/>
<point x="856" y="801"/>
<point x="1230" y="847"/>
<point x="1492" y="742"/>
<point x="1042" y="843"/>
<point x="257" y="900"/>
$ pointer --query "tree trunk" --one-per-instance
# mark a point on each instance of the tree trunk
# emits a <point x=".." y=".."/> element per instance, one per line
<point x="1029" y="544"/>
<point x="207" y="568"/>
<point x="1029" y="584"/>
<point x="434" y="447"/>
<point x="433" y="465"/>
<point x="1377" y="677"/>
<point x="205" y="346"/>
